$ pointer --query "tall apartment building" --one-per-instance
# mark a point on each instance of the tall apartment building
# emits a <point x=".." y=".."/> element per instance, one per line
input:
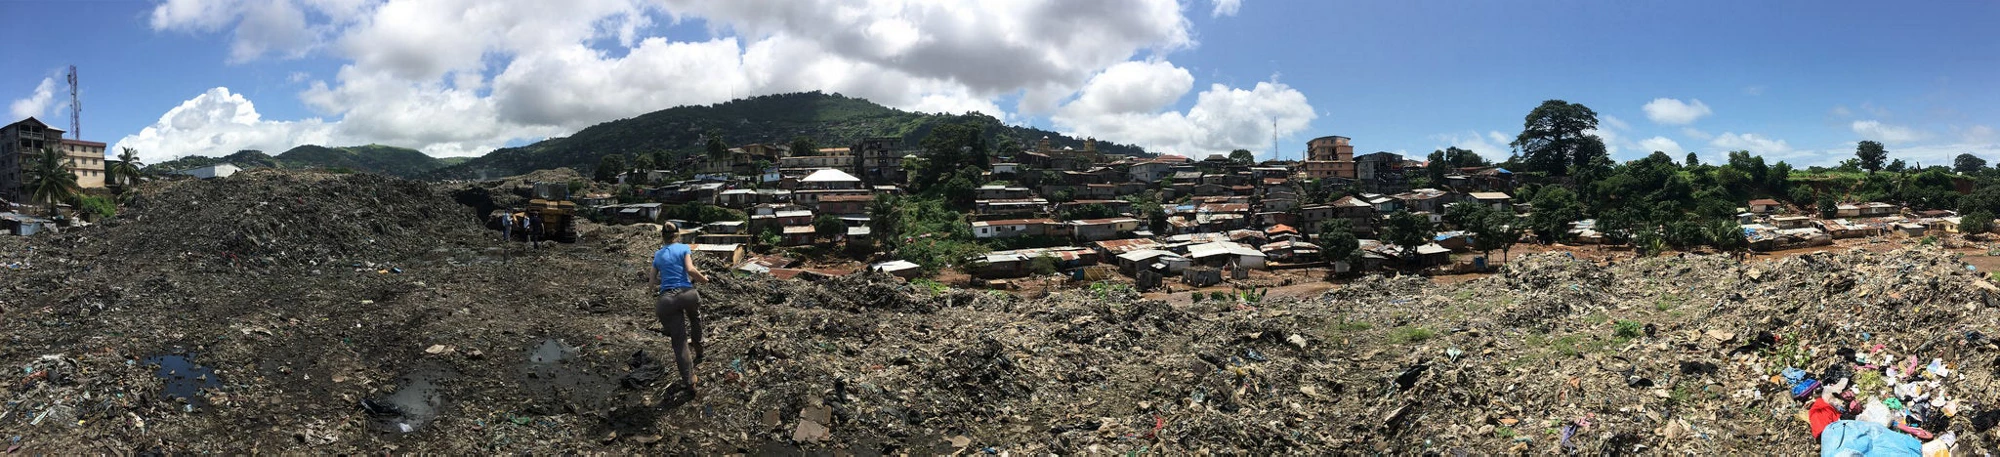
<point x="879" y="160"/>
<point x="20" y="141"/>
<point x="1329" y="157"/>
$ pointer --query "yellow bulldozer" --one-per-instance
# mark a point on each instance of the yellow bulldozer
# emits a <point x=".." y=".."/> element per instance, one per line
<point x="558" y="221"/>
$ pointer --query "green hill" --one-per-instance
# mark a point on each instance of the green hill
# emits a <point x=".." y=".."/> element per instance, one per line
<point x="374" y="158"/>
<point x="831" y="120"/>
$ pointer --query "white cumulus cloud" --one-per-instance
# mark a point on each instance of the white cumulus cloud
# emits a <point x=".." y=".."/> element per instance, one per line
<point x="1492" y="146"/>
<point x="1675" y="112"/>
<point x="1756" y="144"/>
<point x="1876" y="130"/>
<point x="1226" y="8"/>
<point x="36" y="103"/>
<point x="456" y="77"/>
<point x="1126" y="103"/>
<point x="1661" y="144"/>
<point x="221" y="122"/>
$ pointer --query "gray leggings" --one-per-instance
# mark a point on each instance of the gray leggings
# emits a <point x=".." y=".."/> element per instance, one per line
<point x="680" y="315"/>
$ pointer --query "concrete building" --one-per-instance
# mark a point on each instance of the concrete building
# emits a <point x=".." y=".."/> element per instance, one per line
<point x="879" y="160"/>
<point x="1329" y="157"/>
<point x="1380" y="172"/>
<point x="20" y="141"/>
<point x="835" y="158"/>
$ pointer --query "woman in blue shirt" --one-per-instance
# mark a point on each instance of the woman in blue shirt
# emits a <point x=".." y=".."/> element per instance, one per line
<point x="678" y="306"/>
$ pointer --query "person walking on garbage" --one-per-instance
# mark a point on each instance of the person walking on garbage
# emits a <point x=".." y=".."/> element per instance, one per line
<point x="677" y="305"/>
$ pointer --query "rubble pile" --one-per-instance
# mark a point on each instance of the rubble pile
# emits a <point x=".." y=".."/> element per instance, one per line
<point x="1667" y="355"/>
<point x="446" y="340"/>
<point x="272" y="219"/>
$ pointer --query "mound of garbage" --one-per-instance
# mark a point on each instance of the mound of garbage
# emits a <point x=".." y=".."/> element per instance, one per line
<point x="264" y="219"/>
<point x="425" y="334"/>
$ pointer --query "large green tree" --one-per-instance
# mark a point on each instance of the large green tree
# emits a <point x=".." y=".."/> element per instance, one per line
<point x="1242" y="156"/>
<point x="804" y="146"/>
<point x="642" y="166"/>
<point x="1443" y="161"/>
<point x="950" y="148"/>
<point x="51" y="180"/>
<point x="1871" y="154"/>
<point x="1968" y="163"/>
<point x="1556" y="136"/>
<point x="1555" y="208"/>
<point x="1337" y="242"/>
<point x="828" y="226"/>
<point x="609" y="167"/>
<point x="1408" y="230"/>
<point x="1495" y="229"/>
<point x="1977" y="221"/>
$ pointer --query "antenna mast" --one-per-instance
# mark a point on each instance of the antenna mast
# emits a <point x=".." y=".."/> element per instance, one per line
<point x="75" y="107"/>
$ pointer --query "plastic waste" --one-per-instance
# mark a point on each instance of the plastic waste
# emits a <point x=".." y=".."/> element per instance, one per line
<point x="1875" y="412"/>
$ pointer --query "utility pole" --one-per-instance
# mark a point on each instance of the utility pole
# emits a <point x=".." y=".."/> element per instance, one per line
<point x="75" y="107"/>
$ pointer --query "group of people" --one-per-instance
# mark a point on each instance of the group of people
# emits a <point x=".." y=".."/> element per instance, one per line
<point x="530" y="224"/>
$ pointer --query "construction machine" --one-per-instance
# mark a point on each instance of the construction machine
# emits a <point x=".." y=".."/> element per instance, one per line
<point x="558" y="220"/>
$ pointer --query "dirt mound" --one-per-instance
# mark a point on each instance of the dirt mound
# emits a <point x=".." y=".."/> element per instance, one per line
<point x="263" y="219"/>
<point x="138" y="336"/>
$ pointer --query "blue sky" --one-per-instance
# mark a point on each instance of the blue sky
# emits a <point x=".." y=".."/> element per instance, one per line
<point x="1801" y="81"/>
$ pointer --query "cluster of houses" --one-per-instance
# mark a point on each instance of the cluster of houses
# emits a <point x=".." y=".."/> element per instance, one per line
<point x="1769" y="225"/>
<point x="1225" y="217"/>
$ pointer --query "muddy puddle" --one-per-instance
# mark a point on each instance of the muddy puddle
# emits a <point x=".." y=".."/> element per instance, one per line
<point x="559" y="379"/>
<point x="418" y="400"/>
<point x="184" y="379"/>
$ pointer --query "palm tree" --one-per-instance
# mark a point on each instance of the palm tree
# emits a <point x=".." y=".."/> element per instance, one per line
<point x="717" y="149"/>
<point x="50" y="179"/>
<point x="125" y="172"/>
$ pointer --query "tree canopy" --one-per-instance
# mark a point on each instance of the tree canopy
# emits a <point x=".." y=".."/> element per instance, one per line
<point x="1242" y="156"/>
<point x="51" y="180"/>
<point x="1555" y="136"/>
<point x="1408" y="230"/>
<point x="804" y="146"/>
<point x="1871" y="154"/>
<point x="1968" y="163"/>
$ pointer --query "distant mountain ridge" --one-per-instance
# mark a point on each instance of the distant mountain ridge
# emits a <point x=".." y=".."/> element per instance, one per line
<point x="373" y="158"/>
<point x="831" y="120"/>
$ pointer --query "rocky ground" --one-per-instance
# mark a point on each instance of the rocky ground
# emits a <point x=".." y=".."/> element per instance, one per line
<point x="310" y="313"/>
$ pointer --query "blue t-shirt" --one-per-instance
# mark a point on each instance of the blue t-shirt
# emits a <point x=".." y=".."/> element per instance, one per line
<point x="672" y="263"/>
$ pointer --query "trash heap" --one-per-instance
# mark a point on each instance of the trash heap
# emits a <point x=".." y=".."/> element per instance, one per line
<point x="1683" y="354"/>
<point x="431" y="336"/>
<point x="266" y="219"/>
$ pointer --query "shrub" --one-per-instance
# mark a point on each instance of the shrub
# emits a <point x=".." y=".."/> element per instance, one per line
<point x="96" y="208"/>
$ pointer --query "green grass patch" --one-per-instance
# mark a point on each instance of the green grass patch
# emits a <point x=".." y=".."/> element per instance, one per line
<point x="1667" y="302"/>
<point x="1411" y="334"/>
<point x="1628" y="329"/>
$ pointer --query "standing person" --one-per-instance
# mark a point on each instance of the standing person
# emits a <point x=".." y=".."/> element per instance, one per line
<point x="507" y="235"/>
<point x="678" y="306"/>
<point x="534" y="228"/>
